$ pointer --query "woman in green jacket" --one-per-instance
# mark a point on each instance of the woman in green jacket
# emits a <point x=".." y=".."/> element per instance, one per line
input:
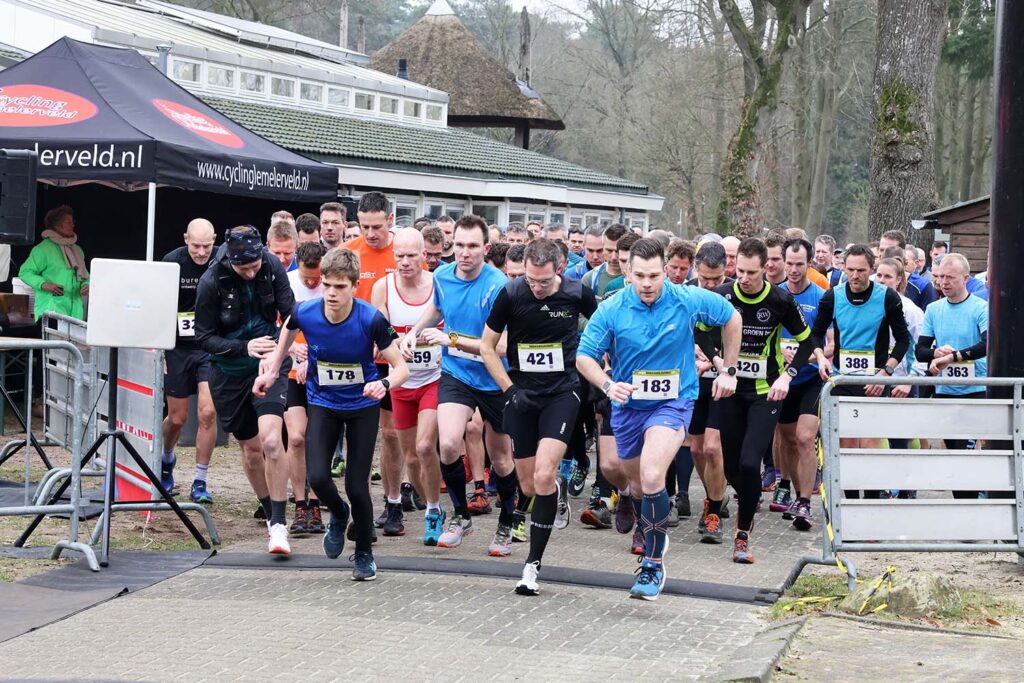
<point x="55" y="267"/>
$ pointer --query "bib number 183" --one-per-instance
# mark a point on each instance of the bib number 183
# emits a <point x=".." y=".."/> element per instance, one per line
<point x="650" y="385"/>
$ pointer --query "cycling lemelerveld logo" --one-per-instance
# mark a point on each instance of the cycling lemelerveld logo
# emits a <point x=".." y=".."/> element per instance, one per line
<point x="198" y="123"/>
<point x="28" y="104"/>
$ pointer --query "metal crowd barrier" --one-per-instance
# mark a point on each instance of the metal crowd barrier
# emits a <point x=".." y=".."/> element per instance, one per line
<point x="77" y="372"/>
<point x="928" y="523"/>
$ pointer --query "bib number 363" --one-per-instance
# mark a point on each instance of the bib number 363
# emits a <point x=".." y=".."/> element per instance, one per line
<point x="337" y="374"/>
<point x="655" y="385"/>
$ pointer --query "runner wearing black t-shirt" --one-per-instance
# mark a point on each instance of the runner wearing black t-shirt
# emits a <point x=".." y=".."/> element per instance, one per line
<point x="187" y="367"/>
<point x="747" y="419"/>
<point x="541" y="312"/>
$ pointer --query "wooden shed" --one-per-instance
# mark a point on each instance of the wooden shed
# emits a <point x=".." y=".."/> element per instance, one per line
<point x="967" y="225"/>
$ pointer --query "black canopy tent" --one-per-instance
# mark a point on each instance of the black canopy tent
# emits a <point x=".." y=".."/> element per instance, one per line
<point x="106" y="115"/>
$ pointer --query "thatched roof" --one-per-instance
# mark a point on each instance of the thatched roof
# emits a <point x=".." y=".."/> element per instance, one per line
<point x="443" y="54"/>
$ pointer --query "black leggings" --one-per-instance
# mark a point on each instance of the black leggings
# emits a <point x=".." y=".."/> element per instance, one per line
<point x="322" y="432"/>
<point x="747" y="425"/>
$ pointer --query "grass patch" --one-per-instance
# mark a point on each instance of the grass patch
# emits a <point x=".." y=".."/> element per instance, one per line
<point x="979" y="608"/>
<point x="805" y="596"/>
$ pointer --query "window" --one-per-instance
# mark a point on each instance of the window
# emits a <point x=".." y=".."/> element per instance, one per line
<point x="455" y="211"/>
<point x="311" y="92"/>
<point x="364" y="101"/>
<point x="219" y="77"/>
<point x="411" y="109"/>
<point x="435" y="211"/>
<point x="638" y="223"/>
<point x="388" y="105"/>
<point x="282" y="87"/>
<point x="605" y="221"/>
<point x="405" y="215"/>
<point x="337" y="97"/>
<point x="185" y="71"/>
<point x="591" y="219"/>
<point x="434" y="112"/>
<point x="252" y="82"/>
<point x="538" y="217"/>
<point x="557" y="217"/>
<point x="516" y="217"/>
<point x="576" y="222"/>
<point x="488" y="213"/>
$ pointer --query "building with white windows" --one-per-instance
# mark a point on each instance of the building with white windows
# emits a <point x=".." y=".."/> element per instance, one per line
<point x="380" y="131"/>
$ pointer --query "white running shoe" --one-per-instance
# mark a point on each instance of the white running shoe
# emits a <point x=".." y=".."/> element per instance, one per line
<point x="528" y="584"/>
<point x="562" y="512"/>
<point x="278" y="544"/>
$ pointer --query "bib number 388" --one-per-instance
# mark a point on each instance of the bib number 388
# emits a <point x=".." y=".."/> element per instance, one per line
<point x="655" y="385"/>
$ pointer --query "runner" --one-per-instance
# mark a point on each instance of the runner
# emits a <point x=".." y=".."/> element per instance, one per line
<point x="187" y="367"/>
<point x="238" y="302"/>
<point x="464" y="293"/>
<point x="541" y="312"/>
<point x="402" y="296"/>
<point x="433" y="247"/>
<point x="730" y="243"/>
<point x="600" y="279"/>
<point x="747" y="419"/>
<point x="447" y="225"/>
<point x="798" y="419"/>
<point x="332" y="223"/>
<point x="647" y="330"/>
<point x="342" y="387"/>
<point x="306" y="285"/>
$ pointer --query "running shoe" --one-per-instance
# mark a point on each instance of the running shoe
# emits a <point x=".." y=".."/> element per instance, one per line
<point x="683" y="505"/>
<point x="781" y="500"/>
<point x="673" y="514"/>
<point x="199" y="493"/>
<point x="562" y="511"/>
<point x="278" y="543"/>
<point x="701" y="523"/>
<point x="314" y="519"/>
<point x="259" y="512"/>
<point x="383" y="517"/>
<point x="338" y="466"/>
<point x="375" y="476"/>
<point x="408" y="493"/>
<point x="501" y="544"/>
<point x="433" y="523"/>
<point x="458" y="528"/>
<point x="650" y="581"/>
<point x="479" y="503"/>
<point x="741" y="549"/>
<point x="566" y="467"/>
<point x="364" y="569"/>
<point x="788" y="514"/>
<point x="528" y="584"/>
<point x="578" y="481"/>
<point x="418" y="501"/>
<point x="167" y="474"/>
<point x="299" y="525"/>
<point x="334" y="538"/>
<point x="597" y="514"/>
<point x="637" y="545"/>
<point x="769" y="480"/>
<point x="802" y="517"/>
<point x="519" y="527"/>
<point x="394" y="525"/>
<point x="490" y="483"/>
<point x="724" y="512"/>
<point x="817" y="481"/>
<point x="350" y="533"/>
<point x="625" y="516"/>
<point x="712" y="531"/>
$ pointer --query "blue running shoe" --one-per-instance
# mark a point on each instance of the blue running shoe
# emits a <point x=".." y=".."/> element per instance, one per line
<point x="167" y="473"/>
<point x="334" y="538"/>
<point x="649" y="581"/>
<point x="770" y="479"/>
<point x="365" y="568"/>
<point x="567" y="467"/>
<point x="199" y="493"/>
<point x="433" y="526"/>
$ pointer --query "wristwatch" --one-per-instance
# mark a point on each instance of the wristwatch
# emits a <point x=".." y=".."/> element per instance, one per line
<point x="453" y="337"/>
<point x="386" y="383"/>
<point x="792" y="372"/>
<point x="731" y="370"/>
<point x="888" y="370"/>
<point x="606" y="386"/>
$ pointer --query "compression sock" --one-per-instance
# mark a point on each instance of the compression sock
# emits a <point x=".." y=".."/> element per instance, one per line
<point x="784" y="484"/>
<point x="654" y="524"/>
<point x="506" y="486"/>
<point x="265" y="503"/>
<point x="714" y="507"/>
<point x="542" y="520"/>
<point x="454" y="476"/>
<point x="479" y="483"/>
<point x="277" y="510"/>
<point x="684" y="470"/>
<point x="637" y="502"/>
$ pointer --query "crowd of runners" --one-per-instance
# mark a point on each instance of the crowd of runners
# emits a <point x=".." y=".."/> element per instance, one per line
<point x="501" y="368"/>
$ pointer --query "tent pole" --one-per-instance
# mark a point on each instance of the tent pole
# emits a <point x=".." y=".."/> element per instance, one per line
<point x="151" y="222"/>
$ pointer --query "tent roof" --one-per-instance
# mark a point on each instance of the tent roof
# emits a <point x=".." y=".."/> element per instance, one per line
<point x="101" y="114"/>
<point x="481" y="90"/>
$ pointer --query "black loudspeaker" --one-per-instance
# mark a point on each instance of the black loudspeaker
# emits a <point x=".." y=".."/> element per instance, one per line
<point x="17" y="196"/>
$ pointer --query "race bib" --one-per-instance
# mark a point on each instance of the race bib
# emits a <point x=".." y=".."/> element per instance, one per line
<point x="187" y="324"/>
<point x="857" y="362"/>
<point x="455" y="353"/>
<point x="752" y="367"/>
<point x="961" y="370"/>
<point x="338" y="374"/>
<point x="789" y="345"/>
<point x="425" y="358"/>
<point x="541" y="358"/>
<point x="655" y="385"/>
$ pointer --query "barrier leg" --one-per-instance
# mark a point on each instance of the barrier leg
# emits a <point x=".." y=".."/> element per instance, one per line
<point x="83" y="548"/>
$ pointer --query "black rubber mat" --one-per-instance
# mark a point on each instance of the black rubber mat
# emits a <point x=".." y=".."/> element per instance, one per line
<point x="129" y="569"/>
<point x="24" y="608"/>
<point x="489" y="569"/>
<point x="12" y="494"/>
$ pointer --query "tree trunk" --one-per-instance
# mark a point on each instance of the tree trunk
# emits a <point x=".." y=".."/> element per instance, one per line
<point x="982" y="141"/>
<point x="802" y="156"/>
<point x="737" y="208"/>
<point x="828" y="85"/>
<point x="910" y="36"/>
<point x="967" y="139"/>
<point x="939" y="113"/>
<point x="721" y="80"/>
